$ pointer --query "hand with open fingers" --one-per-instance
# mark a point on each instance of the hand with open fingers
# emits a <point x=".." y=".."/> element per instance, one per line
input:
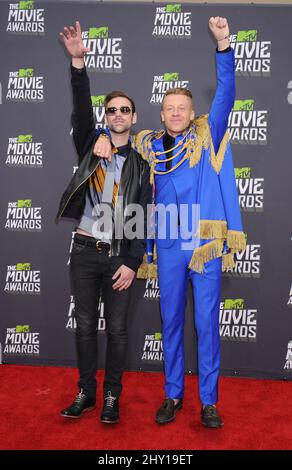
<point x="124" y="276"/>
<point x="72" y="39"/>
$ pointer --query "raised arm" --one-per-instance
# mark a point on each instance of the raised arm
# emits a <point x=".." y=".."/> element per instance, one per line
<point x="225" y="92"/>
<point x="82" y="117"/>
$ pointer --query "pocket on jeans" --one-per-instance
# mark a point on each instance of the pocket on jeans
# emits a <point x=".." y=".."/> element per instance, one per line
<point x="77" y="248"/>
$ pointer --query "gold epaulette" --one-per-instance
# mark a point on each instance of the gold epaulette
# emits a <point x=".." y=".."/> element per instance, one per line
<point x="142" y="142"/>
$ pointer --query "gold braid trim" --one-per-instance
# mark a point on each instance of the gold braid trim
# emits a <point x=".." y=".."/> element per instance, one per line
<point x="184" y="144"/>
<point x="217" y="159"/>
<point x="205" y="253"/>
<point x="198" y="137"/>
<point x="213" y="229"/>
<point x="202" y="140"/>
<point x="142" y="142"/>
<point x="137" y="142"/>
<point x="236" y="240"/>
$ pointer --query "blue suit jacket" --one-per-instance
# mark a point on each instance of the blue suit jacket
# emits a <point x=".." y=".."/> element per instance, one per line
<point x="184" y="185"/>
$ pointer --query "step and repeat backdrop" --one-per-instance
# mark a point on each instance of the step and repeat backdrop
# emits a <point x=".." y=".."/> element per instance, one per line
<point x="144" y="50"/>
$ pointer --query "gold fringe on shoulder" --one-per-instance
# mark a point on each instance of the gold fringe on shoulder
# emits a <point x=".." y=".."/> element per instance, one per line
<point x="140" y="140"/>
<point x="205" y="253"/>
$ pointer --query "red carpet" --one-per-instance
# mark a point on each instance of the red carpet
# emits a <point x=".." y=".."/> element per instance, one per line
<point x="257" y="414"/>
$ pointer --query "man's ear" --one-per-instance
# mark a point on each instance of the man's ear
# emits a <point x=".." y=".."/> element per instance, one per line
<point x="193" y="115"/>
<point x="105" y="120"/>
<point x="134" y="118"/>
<point x="162" y="116"/>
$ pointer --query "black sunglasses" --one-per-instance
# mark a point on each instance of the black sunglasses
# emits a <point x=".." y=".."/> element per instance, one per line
<point x="113" y="110"/>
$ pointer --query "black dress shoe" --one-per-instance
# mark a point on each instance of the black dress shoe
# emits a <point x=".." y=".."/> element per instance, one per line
<point x="110" y="411"/>
<point x="81" y="404"/>
<point x="210" y="417"/>
<point x="166" y="412"/>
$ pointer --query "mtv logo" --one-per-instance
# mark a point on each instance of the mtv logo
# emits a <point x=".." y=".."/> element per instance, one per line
<point x="22" y="329"/>
<point x="95" y="33"/>
<point x="23" y="267"/>
<point x="243" y="105"/>
<point x="25" y="5"/>
<point x="167" y="77"/>
<point x="97" y="100"/>
<point x="158" y="336"/>
<point x="24" y="203"/>
<point x="176" y="8"/>
<point x="244" y="172"/>
<point x="24" y="138"/>
<point x="233" y="303"/>
<point x="25" y="73"/>
<point x="250" y="35"/>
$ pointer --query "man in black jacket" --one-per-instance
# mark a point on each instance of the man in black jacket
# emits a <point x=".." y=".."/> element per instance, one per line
<point x="103" y="258"/>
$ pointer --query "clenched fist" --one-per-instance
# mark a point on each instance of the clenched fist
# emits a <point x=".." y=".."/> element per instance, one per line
<point x="220" y="30"/>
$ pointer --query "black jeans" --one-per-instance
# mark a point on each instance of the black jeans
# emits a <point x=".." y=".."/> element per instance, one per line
<point x="91" y="273"/>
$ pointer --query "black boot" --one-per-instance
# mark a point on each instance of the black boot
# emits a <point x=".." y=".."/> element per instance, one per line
<point x="81" y="404"/>
<point x="110" y="411"/>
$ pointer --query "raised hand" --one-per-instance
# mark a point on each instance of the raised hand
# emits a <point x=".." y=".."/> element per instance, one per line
<point x="72" y="39"/>
<point x="220" y="30"/>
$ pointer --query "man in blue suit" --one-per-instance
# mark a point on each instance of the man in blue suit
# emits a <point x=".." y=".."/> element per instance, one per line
<point x="192" y="171"/>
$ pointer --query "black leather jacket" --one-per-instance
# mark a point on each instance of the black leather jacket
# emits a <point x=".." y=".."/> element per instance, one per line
<point x="134" y="181"/>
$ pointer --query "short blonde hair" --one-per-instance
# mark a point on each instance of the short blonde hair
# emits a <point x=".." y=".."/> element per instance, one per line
<point x="178" y="91"/>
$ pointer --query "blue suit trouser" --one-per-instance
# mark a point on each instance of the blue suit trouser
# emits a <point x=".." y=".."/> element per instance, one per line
<point x="173" y="275"/>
